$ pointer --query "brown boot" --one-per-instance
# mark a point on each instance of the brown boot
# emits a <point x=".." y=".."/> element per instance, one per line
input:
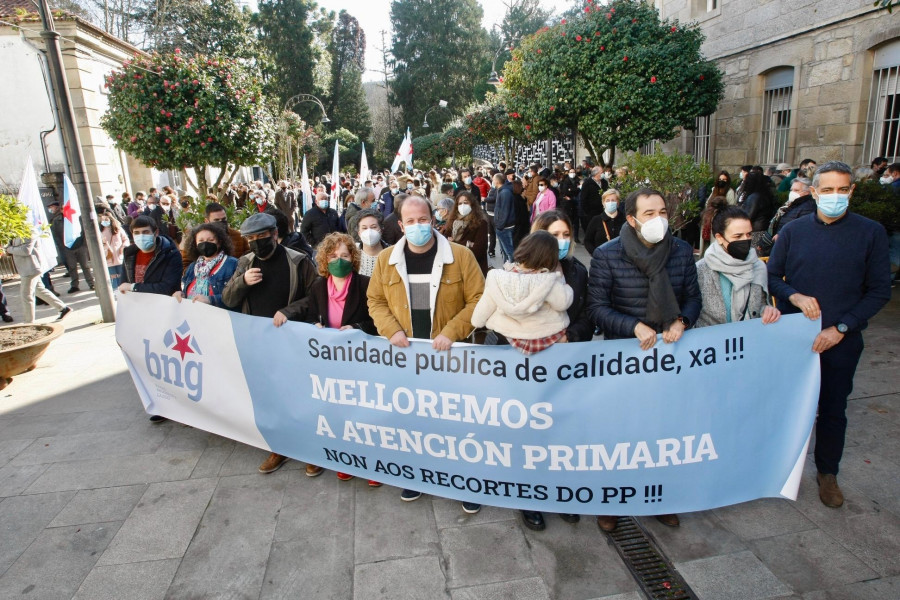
<point x="607" y="523"/>
<point x="829" y="492"/>
<point x="313" y="470"/>
<point x="669" y="520"/>
<point x="273" y="463"/>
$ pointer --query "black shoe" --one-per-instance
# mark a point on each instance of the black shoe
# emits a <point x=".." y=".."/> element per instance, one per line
<point x="491" y="254"/>
<point x="471" y="508"/>
<point x="569" y="518"/>
<point x="91" y="285"/>
<point x="410" y="495"/>
<point x="157" y="419"/>
<point x="40" y="302"/>
<point x="533" y="520"/>
<point x="7" y="318"/>
<point x="63" y="313"/>
<point x="73" y="290"/>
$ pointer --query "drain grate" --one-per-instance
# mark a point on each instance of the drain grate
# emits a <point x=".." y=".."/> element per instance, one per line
<point x="652" y="570"/>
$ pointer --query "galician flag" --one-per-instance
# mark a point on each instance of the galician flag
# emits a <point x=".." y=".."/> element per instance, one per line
<point x="30" y="197"/>
<point x="305" y="191"/>
<point x="404" y="153"/>
<point x="363" y="166"/>
<point x="335" y="178"/>
<point x="71" y="213"/>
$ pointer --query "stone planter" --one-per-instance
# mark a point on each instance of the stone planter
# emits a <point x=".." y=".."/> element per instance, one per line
<point x="23" y="356"/>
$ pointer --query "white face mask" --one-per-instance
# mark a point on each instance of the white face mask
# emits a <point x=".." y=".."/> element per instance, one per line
<point x="654" y="230"/>
<point x="370" y="237"/>
<point x="464" y="210"/>
<point x="886" y="180"/>
<point x="793" y="196"/>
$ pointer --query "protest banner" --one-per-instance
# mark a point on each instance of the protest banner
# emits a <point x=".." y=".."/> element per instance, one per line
<point x="720" y="417"/>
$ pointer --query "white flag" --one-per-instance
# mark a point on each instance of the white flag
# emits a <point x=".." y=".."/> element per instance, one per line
<point x="403" y="153"/>
<point x="363" y="166"/>
<point x="305" y="190"/>
<point x="409" y="151"/>
<point x="30" y="196"/>
<point x="335" y="178"/>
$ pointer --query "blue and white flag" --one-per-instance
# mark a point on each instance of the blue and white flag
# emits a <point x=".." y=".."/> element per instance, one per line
<point x="720" y="417"/>
<point x="30" y="197"/>
<point x="71" y="213"/>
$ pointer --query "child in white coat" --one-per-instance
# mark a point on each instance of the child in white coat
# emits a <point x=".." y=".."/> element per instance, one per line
<point x="526" y="301"/>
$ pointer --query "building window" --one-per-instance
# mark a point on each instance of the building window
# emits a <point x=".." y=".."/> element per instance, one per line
<point x="776" y="117"/>
<point x="883" y="121"/>
<point x="700" y="148"/>
<point x="648" y="148"/>
<point x="704" y="8"/>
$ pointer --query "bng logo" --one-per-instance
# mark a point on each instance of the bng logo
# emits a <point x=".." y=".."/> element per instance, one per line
<point x="175" y="366"/>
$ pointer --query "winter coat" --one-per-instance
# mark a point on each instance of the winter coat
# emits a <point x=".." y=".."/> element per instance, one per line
<point x="356" y="309"/>
<point x="801" y="207"/>
<point x="617" y="290"/>
<point x="591" y="198"/>
<point x="713" y="311"/>
<point x="163" y="274"/>
<point x="218" y="279"/>
<point x="581" y="328"/>
<point x="318" y="223"/>
<point x="286" y="202"/>
<point x="568" y="189"/>
<point x="525" y="306"/>
<point x="595" y="236"/>
<point x="475" y="238"/>
<point x="114" y="246"/>
<point x="457" y="285"/>
<point x="303" y="274"/>
<point x="25" y="256"/>
<point x="504" y="207"/>
<point x="544" y="201"/>
<point x="759" y="207"/>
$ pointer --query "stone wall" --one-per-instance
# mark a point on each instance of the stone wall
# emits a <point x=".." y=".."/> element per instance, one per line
<point x="830" y="46"/>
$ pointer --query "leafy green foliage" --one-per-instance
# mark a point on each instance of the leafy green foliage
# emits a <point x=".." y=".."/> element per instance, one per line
<point x="429" y="150"/>
<point x="437" y="46"/>
<point x="888" y="4"/>
<point x="13" y="220"/>
<point x="195" y="213"/>
<point x="349" y="148"/>
<point x="877" y="202"/>
<point x="173" y="112"/>
<point x="618" y="74"/>
<point x="676" y="175"/>
<point x="202" y="27"/>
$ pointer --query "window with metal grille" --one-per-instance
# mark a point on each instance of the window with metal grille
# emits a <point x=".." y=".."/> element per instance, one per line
<point x="776" y="117"/>
<point x="648" y="148"/>
<point x="700" y="144"/>
<point x="883" y="121"/>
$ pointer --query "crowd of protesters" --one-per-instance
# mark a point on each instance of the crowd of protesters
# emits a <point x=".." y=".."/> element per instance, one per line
<point x="336" y="265"/>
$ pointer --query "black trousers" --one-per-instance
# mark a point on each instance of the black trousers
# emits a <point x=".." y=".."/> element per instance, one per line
<point x="571" y="208"/>
<point x="492" y="235"/>
<point x="77" y="257"/>
<point x="838" y="368"/>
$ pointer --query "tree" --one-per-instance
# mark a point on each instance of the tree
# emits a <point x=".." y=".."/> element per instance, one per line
<point x="629" y="78"/>
<point x="286" y="33"/>
<point x="438" y="48"/>
<point x="347" y="102"/>
<point x="174" y="112"/>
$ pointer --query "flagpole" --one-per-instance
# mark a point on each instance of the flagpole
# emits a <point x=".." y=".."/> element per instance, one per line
<point x="75" y="160"/>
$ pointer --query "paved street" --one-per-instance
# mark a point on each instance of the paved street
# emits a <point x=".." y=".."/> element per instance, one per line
<point x="96" y="502"/>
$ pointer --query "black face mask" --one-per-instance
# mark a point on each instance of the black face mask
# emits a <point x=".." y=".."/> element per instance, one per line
<point x="207" y="249"/>
<point x="739" y="250"/>
<point x="263" y="247"/>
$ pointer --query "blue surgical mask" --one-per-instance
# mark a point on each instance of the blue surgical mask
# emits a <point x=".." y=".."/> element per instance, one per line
<point x="324" y="204"/>
<point x="563" y="248"/>
<point x="833" y="205"/>
<point x="418" y="235"/>
<point x="145" y="241"/>
<point x="611" y="207"/>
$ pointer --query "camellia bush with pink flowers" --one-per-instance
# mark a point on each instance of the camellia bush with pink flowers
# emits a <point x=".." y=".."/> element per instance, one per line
<point x="176" y="112"/>
<point x="617" y="74"/>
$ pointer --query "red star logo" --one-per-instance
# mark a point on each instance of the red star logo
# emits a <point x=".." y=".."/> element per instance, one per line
<point x="181" y="345"/>
<point x="68" y="212"/>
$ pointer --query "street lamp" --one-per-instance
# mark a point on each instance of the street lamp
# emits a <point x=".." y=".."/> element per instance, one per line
<point x="494" y="79"/>
<point x="440" y="104"/>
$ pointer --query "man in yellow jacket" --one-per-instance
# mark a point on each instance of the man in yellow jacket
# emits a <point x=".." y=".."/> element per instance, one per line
<point x="424" y="287"/>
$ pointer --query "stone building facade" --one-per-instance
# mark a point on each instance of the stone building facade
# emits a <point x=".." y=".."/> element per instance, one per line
<point x="803" y="78"/>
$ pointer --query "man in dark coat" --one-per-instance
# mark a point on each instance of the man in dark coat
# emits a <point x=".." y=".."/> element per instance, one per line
<point x="286" y="202"/>
<point x="591" y="198"/>
<point x="644" y="283"/>
<point x="319" y="221"/>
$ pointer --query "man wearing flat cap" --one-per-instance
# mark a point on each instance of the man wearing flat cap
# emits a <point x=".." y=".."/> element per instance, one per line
<point x="267" y="279"/>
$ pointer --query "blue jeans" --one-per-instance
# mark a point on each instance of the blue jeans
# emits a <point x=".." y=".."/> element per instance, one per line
<point x="505" y="238"/>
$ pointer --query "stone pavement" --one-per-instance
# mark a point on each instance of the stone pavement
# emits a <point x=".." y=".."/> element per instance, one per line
<point x="96" y="502"/>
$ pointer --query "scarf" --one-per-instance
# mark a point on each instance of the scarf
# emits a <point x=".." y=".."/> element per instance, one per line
<point x="203" y="267"/>
<point x="781" y="210"/>
<point x="662" y="306"/>
<point x="741" y="274"/>
<point x="337" y="300"/>
<point x="459" y="227"/>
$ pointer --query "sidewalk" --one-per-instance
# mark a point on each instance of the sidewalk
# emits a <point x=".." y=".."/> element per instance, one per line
<point x="97" y="502"/>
